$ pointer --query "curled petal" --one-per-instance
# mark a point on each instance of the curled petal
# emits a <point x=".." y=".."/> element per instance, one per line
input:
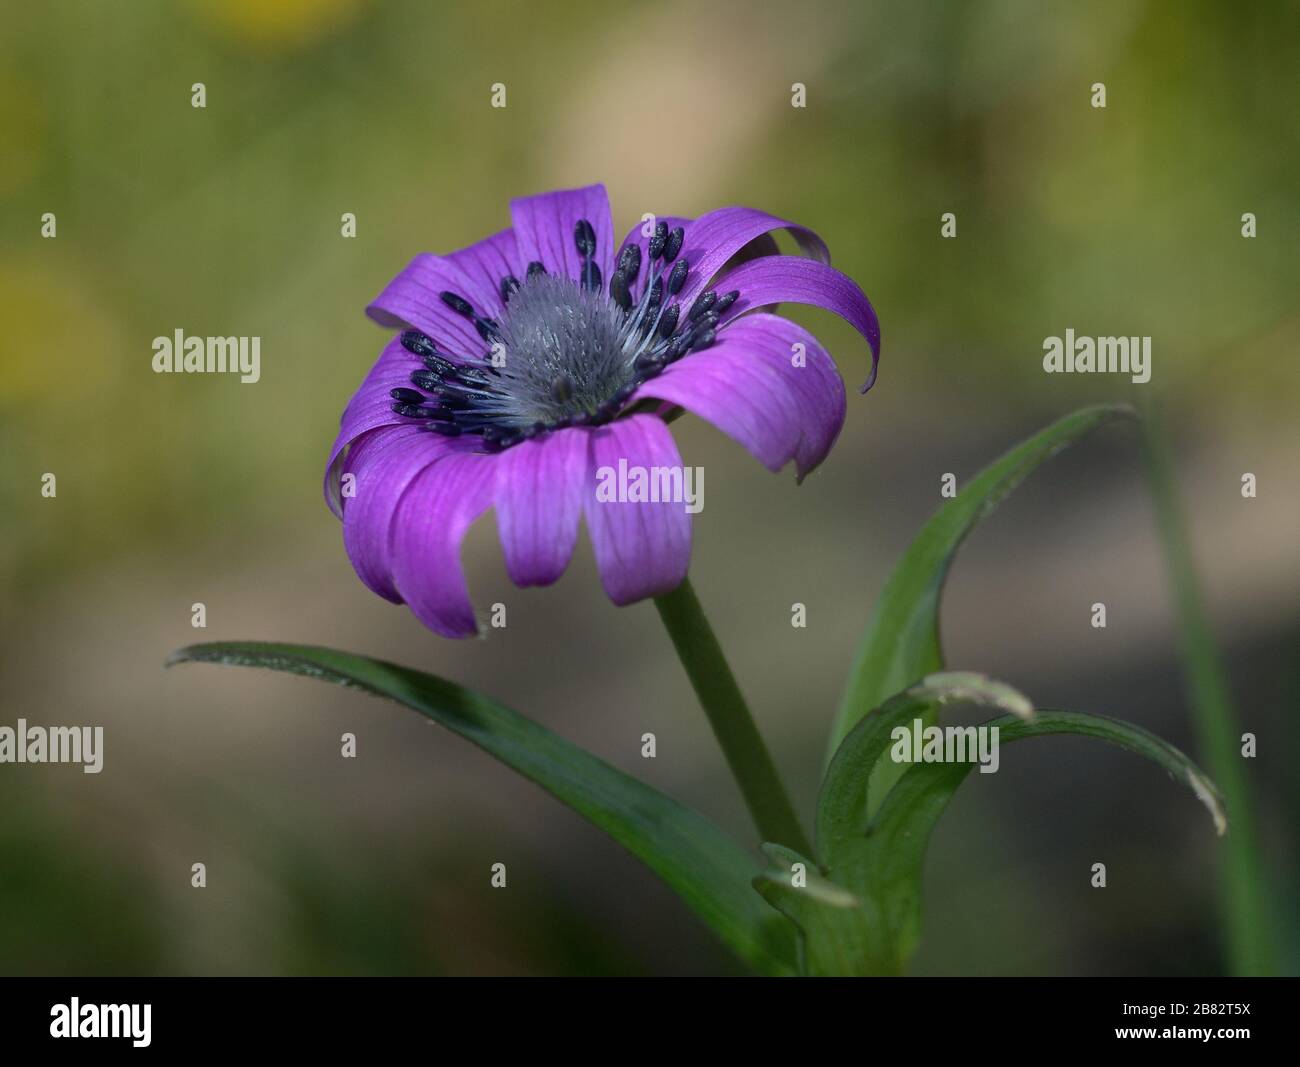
<point x="712" y="240"/>
<point x="383" y="463"/>
<point x="642" y="548"/>
<point x="414" y="297"/>
<point x="777" y="278"/>
<point x="429" y="524"/>
<point x="545" y="224"/>
<point x="370" y="408"/>
<point x="767" y="384"/>
<point x="540" y="486"/>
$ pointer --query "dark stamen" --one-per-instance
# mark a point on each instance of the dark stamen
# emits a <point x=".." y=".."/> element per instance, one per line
<point x="703" y="303"/>
<point x="535" y="268"/>
<point x="676" y="348"/>
<point x="618" y="289"/>
<point x="674" y="244"/>
<point x="726" y="300"/>
<point x="657" y="242"/>
<point x="591" y="276"/>
<point x="458" y="304"/>
<point x="585" y="238"/>
<point x="439" y="365"/>
<point x="629" y="262"/>
<point x="508" y="285"/>
<point x="668" y="323"/>
<point x="678" y="277"/>
<point x="703" y="340"/>
<point x="453" y="401"/>
<point x="418" y="343"/>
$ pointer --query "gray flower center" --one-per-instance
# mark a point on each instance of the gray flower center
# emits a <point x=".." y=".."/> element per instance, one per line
<point x="564" y="352"/>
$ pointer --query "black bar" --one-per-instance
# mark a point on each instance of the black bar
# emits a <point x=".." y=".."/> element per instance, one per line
<point x="355" y="1015"/>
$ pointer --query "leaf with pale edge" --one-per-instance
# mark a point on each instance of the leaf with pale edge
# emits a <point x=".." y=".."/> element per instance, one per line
<point x="879" y="858"/>
<point x="901" y="644"/>
<point x="708" y="870"/>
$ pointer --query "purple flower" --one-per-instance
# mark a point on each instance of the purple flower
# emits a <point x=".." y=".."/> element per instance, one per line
<point x="535" y="358"/>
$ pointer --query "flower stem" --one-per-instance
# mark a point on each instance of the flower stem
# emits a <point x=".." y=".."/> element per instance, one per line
<point x="715" y="685"/>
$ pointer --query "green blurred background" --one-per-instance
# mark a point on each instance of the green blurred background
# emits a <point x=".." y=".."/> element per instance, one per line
<point x="181" y="489"/>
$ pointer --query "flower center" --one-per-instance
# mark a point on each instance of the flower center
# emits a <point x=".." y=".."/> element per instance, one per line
<point x="565" y="353"/>
<point x="561" y="352"/>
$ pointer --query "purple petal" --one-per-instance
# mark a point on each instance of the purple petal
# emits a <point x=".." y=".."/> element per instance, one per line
<point x="642" y="549"/>
<point x="371" y="407"/>
<point x="540" y="486"/>
<point x="776" y="278"/>
<point x="712" y="239"/>
<point x="748" y="385"/>
<point x="486" y="263"/>
<point x="428" y="526"/>
<point x="414" y="297"/>
<point x="757" y="248"/>
<point x="384" y="463"/>
<point x="544" y="228"/>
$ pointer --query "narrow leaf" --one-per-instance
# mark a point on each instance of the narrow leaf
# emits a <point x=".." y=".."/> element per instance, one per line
<point x="708" y="869"/>
<point x="901" y="643"/>
<point x="886" y="865"/>
<point x="843" y="806"/>
<point x="1247" y="895"/>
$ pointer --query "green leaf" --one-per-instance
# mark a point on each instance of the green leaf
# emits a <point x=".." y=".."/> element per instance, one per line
<point x="814" y="886"/>
<point x="885" y="864"/>
<point x="1248" y="897"/>
<point x="706" y="868"/>
<point x="901" y="644"/>
<point x="843" y="805"/>
<point x="839" y="933"/>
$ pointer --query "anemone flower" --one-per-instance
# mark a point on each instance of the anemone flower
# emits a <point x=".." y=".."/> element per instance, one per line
<point x="529" y="362"/>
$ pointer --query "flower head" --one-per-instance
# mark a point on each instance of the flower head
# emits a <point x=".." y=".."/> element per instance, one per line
<point x="532" y="360"/>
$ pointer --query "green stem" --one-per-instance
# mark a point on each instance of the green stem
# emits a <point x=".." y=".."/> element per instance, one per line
<point x="1244" y="899"/>
<point x="715" y="685"/>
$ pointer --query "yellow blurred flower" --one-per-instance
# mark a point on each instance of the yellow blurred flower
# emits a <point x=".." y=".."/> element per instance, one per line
<point x="56" y="334"/>
<point x="276" y="25"/>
